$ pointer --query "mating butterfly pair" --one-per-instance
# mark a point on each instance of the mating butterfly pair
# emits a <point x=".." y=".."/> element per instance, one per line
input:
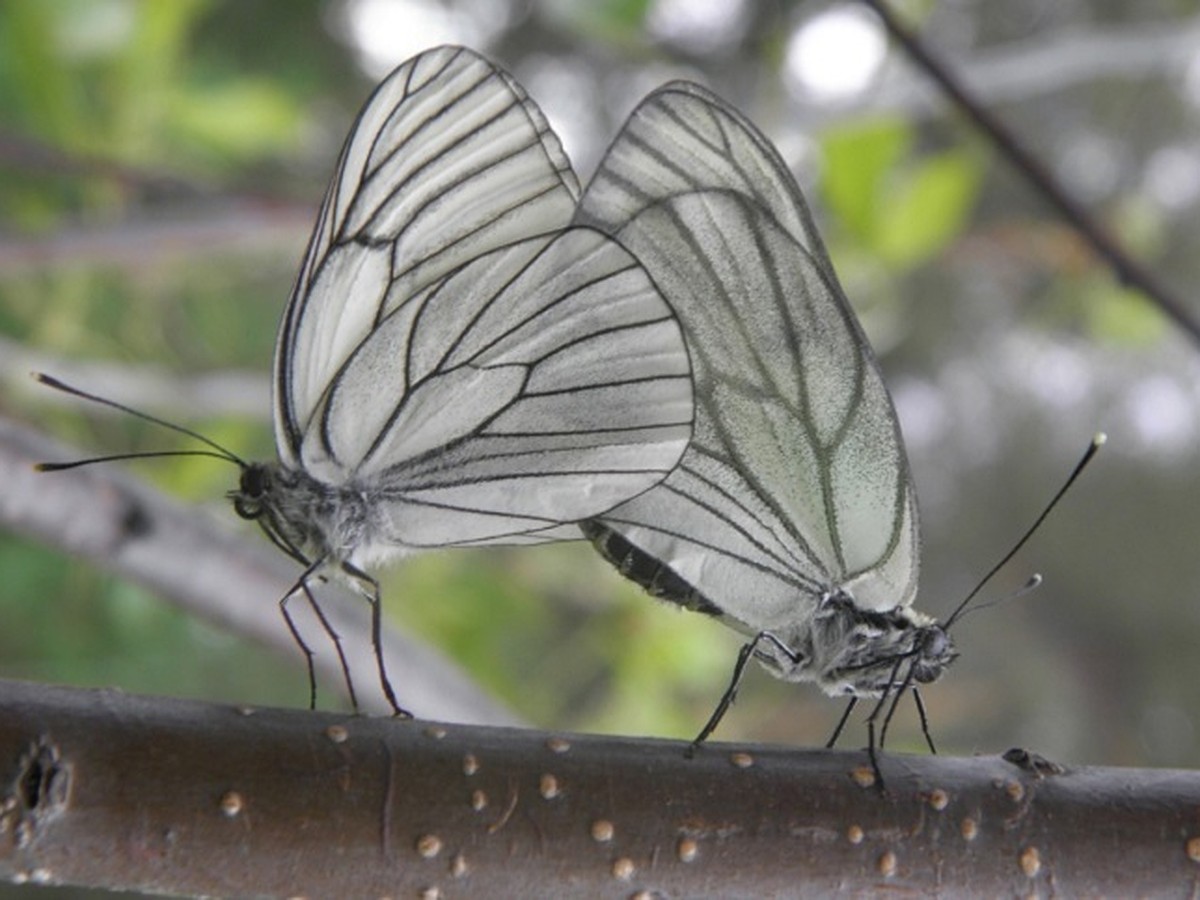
<point x="477" y="352"/>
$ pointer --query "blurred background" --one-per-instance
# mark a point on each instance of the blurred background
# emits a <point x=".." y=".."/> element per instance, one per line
<point x="161" y="164"/>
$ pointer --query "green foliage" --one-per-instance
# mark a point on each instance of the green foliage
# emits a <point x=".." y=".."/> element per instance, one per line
<point x="1090" y="299"/>
<point x="902" y="207"/>
<point x="220" y="91"/>
<point x="242" y="120"/>
<point x="561" y="637"/>
<point x="1106" y="310"/>
<point x="614" y="21"/>
<point x="1119" y="314"/>
<point x="73" y="624"/>
<point x="114" y="80"/>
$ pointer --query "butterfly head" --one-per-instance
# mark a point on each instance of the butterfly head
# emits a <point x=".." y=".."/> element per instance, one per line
<point x="254" y="487"/>
<point x="306" y="518"/>
<point x="866" y="653"/>
<point x="904" y="653"/>
<point x="932" y="652"/>
<point x="285" y="504"/>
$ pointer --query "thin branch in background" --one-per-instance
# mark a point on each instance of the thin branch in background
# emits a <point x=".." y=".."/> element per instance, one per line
<point x="147" y="242"/>
<point x="189" y="218"/>
<point x="1128" y="271"/>
<point x="150" y="388"/>
<point x="1031" y="69"/>
<point x="32" y="155"/>
<point x="204" y="565"/>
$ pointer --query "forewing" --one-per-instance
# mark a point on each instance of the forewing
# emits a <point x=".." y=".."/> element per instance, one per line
<point x="542" y="383"/>
<point x="448" y="160"/>
<point x="795" y="482"/>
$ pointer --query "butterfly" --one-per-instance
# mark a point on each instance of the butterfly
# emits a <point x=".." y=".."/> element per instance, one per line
<point x="459" y="362"/>
<point x="792" y="515"/>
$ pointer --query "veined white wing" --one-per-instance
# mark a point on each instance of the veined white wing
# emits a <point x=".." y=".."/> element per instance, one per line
<point x="792" y="511"/>
<point x="457" y="363"/>
<point x="519" y="407"/>
<point x="449" y="159"/>
<point x="454" y="367"/>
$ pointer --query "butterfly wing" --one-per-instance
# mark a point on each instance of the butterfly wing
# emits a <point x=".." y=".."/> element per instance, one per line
<point x="449" y="159"/>
<point x="450" y="351"/>
<point x="541" y="383"/>
<point x="795" y="482"/>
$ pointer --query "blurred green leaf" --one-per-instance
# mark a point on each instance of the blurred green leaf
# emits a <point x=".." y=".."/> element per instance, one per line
<point x="660" y="655"/>
<point x="617" y="21"/>
<point x="145" y="71"/>
<point x="247" y="118"/>
<point x="41" y="89"/>
<point x="900" y="209"/>
<point x="927" y="209"/>
<point x="1119" y="315"/>
<point x="858" y="160"/>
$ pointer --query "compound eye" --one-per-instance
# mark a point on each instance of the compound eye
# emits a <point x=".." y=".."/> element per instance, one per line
<point x="253" y="483"/>
<point x="935" y="643"/>
<point x="926" y="674"/>
<point x="253" y="487"/>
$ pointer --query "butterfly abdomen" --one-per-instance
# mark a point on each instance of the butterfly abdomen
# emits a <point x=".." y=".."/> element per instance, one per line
<point x="653" y="576"/>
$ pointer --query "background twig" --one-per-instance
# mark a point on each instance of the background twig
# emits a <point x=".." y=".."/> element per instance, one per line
<point x="1127" y="269"/>
<point x="204" y="565"/>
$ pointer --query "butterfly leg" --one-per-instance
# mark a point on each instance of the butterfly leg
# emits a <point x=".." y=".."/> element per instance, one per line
<point x="896" y="694"/>
<point x="739" y="670"/>
<point x="841" y="725"/>
<point x="924" y="720"/>
<point x="370" y="589"/>
<point x="301" y="585"/>
<point x="337" y="644"/>
<point x="874" y="746"/>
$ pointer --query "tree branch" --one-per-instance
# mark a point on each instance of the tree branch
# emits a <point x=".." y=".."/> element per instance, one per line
<point x="26" y="153"/>
<point x="128" y="792"/>
<point x="204" y="565"/>
<point x="151" y="242"/>
<point x="1127" y="269"/>
<point x="1041" y="65"/>
<point x="147" y="387"/>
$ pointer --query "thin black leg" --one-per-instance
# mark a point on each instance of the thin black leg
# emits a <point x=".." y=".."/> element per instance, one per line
<point x="337" y="642"/>
<point x="873" y="746"/>
<point x="897" y="693"/>
<point x="373" y="597"/>
<point x="924" y="720"/>
<point x="301" y="585"/>
<point x="739" y="669"/>
<point x="841" y="725"/>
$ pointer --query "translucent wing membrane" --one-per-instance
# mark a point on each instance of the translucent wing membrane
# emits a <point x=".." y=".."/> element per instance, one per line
<point x="449" y="159"/>
<point x="459" y="362"/>
<point x="795" y="484"/>
<point x="455" y="359"/>
<point x="538" y="384"/>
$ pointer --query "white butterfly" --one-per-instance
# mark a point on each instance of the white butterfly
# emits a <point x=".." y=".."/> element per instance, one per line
<point x="458" y="364"/>
<point x="791" y="516"/>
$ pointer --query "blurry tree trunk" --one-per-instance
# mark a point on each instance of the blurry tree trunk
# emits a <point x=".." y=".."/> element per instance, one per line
<point x="120" y="791"/>
<point x="206" y="566"/>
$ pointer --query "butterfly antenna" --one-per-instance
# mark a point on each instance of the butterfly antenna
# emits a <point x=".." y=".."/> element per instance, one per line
<point x="1034" y="582"/>
<point x="219" y="451"/>
<point x="1093" y="448"/>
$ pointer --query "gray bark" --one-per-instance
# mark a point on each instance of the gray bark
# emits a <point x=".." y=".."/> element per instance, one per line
<point x="106" y="789"/>
<point x="202" y="563"/>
